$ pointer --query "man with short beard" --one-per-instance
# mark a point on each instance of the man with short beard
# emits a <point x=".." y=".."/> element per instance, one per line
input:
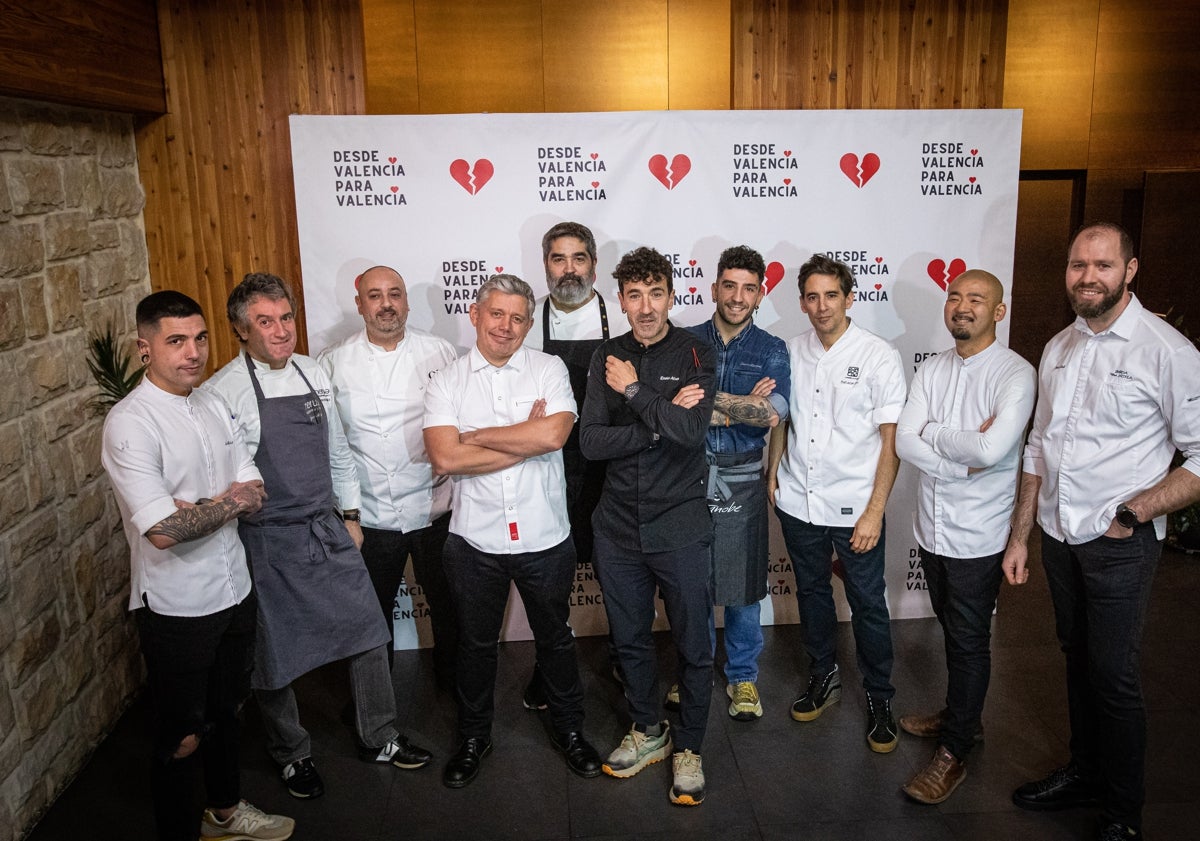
<point x="1119" y="392"/>
<point x="962" y="428"/>
<point x="379" y="376"/>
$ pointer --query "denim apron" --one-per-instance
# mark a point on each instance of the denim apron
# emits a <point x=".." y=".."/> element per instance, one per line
<point x="315" y="600"/>
<point x="737" y="501"/>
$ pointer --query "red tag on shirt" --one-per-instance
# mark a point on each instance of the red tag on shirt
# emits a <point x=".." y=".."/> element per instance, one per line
<point x="512" y="531"/>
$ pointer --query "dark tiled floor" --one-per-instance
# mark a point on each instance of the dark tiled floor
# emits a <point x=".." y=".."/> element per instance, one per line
<point x="772" y="779"/>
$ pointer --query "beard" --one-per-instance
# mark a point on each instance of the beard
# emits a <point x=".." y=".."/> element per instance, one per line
<point x="1106" y="303"/>
<point x="960" y="332"/>
<point x="570" y="290"/>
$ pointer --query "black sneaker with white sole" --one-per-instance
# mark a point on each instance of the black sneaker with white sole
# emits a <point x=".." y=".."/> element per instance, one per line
<point x="882" y="734"/>
<point x="822" y="691"/>
<point x="302" y="779"/>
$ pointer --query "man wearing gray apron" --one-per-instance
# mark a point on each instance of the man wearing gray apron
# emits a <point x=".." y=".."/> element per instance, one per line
<point x="316" y="602"/>
<point x="753" y="381"/>
<point x="570" y="323"/>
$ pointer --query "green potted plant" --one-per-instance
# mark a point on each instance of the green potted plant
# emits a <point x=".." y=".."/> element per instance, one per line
<point x="112" y="367"/>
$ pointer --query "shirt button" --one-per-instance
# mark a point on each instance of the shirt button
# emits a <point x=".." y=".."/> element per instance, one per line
<point x="385" y="435"/>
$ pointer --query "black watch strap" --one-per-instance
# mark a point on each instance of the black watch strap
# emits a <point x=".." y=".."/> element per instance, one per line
<point x="1127" y="517"/>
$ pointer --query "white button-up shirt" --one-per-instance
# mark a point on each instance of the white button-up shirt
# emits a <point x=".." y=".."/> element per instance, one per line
<point x="522" y="508"/>
<point x="380" y="397"/>
<point x="159" y="447"/>
<point x="233" y="384"/>
<point x="960" y="515"/>
<point x="839" y="399"/>
<point x="1112" y="409"/>
<point x="576" y="325"/>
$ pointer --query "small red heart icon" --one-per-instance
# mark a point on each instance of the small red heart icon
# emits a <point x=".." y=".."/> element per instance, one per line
<point x="878" y="259"/>
<point x="472" y="178"/>
<point x="594" y="156"/>
<point x="878" y="285"/>
<point x="392" y="159"/>
<point x="773" y="276"/>
<point x="395" y="189"/>
<point x="941" y="274"/>
<point x="595" y="183"/>
<point x="499" y="269"/>
<point x="670" y="175"/>
<point x="692" y="289"/>
<point x="859" y="174"/>
<point x="974" y="151"/>
<point x="691" y="262"/>
<point x="787" y="153"/>
<point x="972" y="179"/>
<point x="787" y="181"/>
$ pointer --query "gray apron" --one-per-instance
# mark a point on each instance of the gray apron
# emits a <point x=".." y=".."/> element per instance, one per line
<point x="737" y="500"/>
<point x="315" y="600"/>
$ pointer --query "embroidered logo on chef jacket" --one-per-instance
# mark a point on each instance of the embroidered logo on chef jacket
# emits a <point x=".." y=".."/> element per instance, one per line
<point x="312" y="408"/>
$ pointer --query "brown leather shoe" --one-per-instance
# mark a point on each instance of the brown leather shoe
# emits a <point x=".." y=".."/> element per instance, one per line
<point x="930" y="725"/>
<point x="937" y="780"/>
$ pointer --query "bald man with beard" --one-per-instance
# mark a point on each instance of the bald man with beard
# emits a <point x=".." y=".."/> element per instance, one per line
<point x="962" y="428"/>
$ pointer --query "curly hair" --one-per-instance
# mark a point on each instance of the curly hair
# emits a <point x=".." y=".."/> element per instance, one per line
<point x="643" y="265"/>
<point x="742" y="257"/>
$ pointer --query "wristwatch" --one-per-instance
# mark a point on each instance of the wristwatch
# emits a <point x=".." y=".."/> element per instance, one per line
<point x="632" y="389"/>
<point x="1127" y="517"/>
<point x="352" y="515"/>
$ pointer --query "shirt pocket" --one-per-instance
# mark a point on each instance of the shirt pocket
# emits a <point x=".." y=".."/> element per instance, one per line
<point x="745" y="376"/>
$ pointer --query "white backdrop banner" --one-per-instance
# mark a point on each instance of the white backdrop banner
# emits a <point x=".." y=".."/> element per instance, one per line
<point x="907" y="198"/>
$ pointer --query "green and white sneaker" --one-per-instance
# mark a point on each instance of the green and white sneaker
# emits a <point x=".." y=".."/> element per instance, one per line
<point x="688" y="787"/>
<point x="636" y="751"/>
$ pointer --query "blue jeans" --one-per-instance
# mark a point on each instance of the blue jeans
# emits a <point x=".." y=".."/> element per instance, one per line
<point x="810" y="548"/>
<point x="963" y="594"/>
<point x="743" y="642"/>
<point x="628" y="578"/>
<point x="1100" y="590"/>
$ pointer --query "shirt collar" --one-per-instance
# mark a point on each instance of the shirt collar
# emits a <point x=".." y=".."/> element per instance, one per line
<point x="978" y="358"/>
<point x="517" y="361"/>
<point x="1123" y="327"/>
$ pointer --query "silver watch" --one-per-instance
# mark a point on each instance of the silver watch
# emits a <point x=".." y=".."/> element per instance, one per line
<point x="632" y="389"/>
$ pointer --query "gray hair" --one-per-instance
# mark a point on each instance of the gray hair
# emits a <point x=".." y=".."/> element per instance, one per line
<point x="256" y="285"/>
<point x="569" y="229"/>
<point x="509" y="284"/>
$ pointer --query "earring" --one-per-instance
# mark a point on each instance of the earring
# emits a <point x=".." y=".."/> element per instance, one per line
<point x="145" y="358"/>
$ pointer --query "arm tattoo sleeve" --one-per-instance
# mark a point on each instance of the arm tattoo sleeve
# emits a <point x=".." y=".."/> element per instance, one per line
<point x="192" y="523"/>
<point x="756" y="411"/>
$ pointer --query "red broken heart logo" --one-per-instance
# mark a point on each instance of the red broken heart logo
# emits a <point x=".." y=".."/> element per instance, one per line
<point x="941" y="274"/>
<point x="859" y="173"/>
<point x="471" y="178"/>
<point x="773" y="276"/>
<point x="670" y="174"/>
<point x="392" y="159"/>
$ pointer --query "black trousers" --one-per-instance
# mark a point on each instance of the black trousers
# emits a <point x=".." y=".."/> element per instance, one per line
<point x="963" y="592"/>
<point x="1100" y="591"/>
<point x="480" y="584"/>
<point x="198" y="670"/>
<point x="386" y="553"/>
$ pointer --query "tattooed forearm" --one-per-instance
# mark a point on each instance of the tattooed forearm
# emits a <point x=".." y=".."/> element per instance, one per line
<point x="193" y="522"/>
<point x="746" y="408"/>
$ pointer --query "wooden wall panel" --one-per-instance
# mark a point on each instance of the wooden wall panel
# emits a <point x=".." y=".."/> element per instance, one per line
<point x="476" y="55"/>
<point x="868" y="54"/>
<point x="390" y="56"/>
<point x="96" y="53"/>
<point x="699" y="49"/>
<point x="217" y="168"/>
<point x="1049" y="72"/>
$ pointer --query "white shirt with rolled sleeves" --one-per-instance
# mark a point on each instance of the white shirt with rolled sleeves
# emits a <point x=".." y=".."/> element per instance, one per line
<point x="1112" y="409"/>
<point x="522" y="508"/>
<point x="380" y="397"/>
<point x="960" y="515"/>
<point x="233" y="384"/>
<point x="839" y="399"/>
<point x="159" y="447"/>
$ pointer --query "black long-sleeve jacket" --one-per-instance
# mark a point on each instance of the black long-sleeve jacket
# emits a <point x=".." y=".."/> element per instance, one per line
<point x="654" y="489"/>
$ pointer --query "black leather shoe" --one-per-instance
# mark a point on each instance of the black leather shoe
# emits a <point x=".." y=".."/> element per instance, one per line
<point x="1062" y="788"/>
<point x="1118" y="832"/>
<point x="464" y="765"/>
<point x="581" y="756"/>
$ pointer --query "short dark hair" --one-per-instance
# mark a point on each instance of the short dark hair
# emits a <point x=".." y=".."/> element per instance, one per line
<point x="643" y="265"/>
<point x="1123" y="236"/>
<point x="256" y="285"/>
<point x="569" y="229"/>
<point x="165" y="304"/>
<point x="820" y="264"/>
<point x="742" y="257"/>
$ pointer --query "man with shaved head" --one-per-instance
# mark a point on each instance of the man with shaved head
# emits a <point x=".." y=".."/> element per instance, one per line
<point x="379" y="376"/>
<point x="962" y="428"/>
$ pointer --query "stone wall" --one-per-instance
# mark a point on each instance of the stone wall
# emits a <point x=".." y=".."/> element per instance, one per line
<point x="72" y="258"/>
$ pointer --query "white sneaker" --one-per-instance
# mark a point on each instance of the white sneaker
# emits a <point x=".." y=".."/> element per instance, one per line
<point x="247" y="823"/>
<point x="688" y="786"/>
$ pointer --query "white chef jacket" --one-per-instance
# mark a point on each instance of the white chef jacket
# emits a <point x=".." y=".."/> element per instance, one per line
<point x="522" y="508"/>
<point x="380" y="397"/>
<point x="577" y="325"/>
<point x="233" y="384"/>
<point x="960" y="515"/>
<point x="1112" y="409"/>
<point x="839" y="399"/>
<point x="159" y="447"/>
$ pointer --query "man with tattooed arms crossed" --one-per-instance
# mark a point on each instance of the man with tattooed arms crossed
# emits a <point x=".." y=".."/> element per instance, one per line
<point x="182" y="476"/>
